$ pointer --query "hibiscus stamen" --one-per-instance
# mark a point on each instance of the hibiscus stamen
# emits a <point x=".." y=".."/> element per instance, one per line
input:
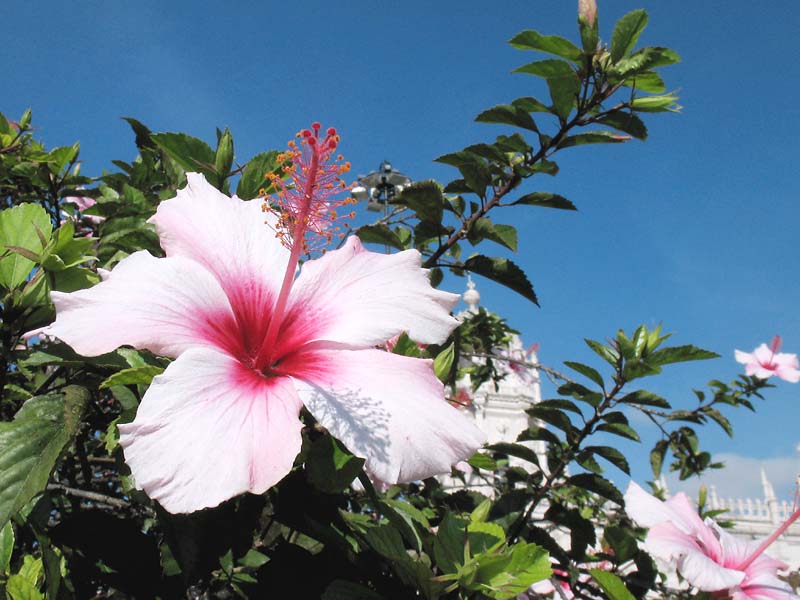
<point x="308" y="211"/>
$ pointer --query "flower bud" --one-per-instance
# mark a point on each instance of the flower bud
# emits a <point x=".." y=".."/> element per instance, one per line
<point x="224" y="157"/>
<point x="587" y="9"/>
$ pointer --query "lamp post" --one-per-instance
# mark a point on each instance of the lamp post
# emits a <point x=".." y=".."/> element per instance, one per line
<point x="379" y="187"/>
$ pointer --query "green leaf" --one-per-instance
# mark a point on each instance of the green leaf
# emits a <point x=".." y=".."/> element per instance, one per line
<point x="6" y="547"/>
<point x="424" y="198"/>
<point x="141" y="132"/>
<point x="586" y="371"/>
<point x="529" y="104"/>
<point x="612" y="585"/>
<point x="477" y="177"/>
<point x="560" y="404"/>
<point x="545" y="200"/>
<point x="626" y="33"/>
<point x="254" y="175"/>
<point x="18" y="227"/>
<point x="481" y="512"/>
<point x="75" y="278"/>
<point x="31" y="444"/>
<point x="645" y="398"/>
<point x="191" y="153"/>
<point x="330" y="467"/>
<point x="612" y="455"/>
<point x="483" y="228"/>
<point x="620" y="429"/>
<point x="135" y="376"/>
<point x="508" y="114"/>
<point x="598" y="485"/>
<point x="564" y="92"/>
<point x="720" y="419"/>
<point x="484" y="537"/>
<point x="657" y="457"/>
<point x="562" y="81"/>
<point x="512" y="143"/>
<point x="518" y="450"/>
<point x="443" y="362"/>
<point x="549" y="69"/>
<point x="677" y="354"/>
<point x="20" y="588"/>
<point x="593" y="137"/>
<point x="608" y="354"/>
<point x="556" y="418"/>
<point x="448" y="545"/>
<point x="502" y="271"/>
<point x="379" y="234"/>
<point x="645" y="59"/>
<point x="626" y="122"/>
<point x="622" y="542"/>
<point x="552" y="44"/>
<point x="481" y="461"/>
<point x="648" y="81"/>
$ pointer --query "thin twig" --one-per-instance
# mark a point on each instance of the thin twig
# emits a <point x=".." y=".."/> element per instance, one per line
<point x="86" y="495"/>
<point x="525" y="363"/>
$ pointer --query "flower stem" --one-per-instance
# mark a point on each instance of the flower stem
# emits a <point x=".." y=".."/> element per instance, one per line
<point x="775" y="535"/>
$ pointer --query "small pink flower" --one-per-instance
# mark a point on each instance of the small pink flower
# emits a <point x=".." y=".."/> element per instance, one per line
<point x="765" y="361"/>
<point x="707" y="556"/>
<point x="84" y="202"/>
<point x="254" y="342"/>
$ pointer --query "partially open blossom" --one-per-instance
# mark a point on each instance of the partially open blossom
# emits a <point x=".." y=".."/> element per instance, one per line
<point x="707" y="556"/>
<point x="254" y="342"/>
<point x="766" y="361"/>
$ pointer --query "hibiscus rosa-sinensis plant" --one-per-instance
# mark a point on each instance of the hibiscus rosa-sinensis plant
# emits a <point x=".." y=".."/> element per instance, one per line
<point x="212" y="389"/>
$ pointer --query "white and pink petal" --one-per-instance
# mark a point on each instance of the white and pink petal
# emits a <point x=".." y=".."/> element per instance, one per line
<point x="386" y="408"/>
<point x="165" y="305"/>
<point x="232" y="238"/>
<point x="208" y="429"/>
<point x="361" y="298"/>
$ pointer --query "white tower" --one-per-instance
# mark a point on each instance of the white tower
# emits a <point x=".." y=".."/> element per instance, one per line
<point x="500" y="411"/>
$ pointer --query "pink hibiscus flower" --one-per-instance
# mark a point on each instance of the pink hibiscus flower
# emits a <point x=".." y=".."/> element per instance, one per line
<point x="254" y="342"/>
<point x="766" y="361"/>
<point x="707" y="556"/>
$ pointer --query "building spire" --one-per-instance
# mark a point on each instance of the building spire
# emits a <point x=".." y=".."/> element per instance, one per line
<point x="471" y="297"/>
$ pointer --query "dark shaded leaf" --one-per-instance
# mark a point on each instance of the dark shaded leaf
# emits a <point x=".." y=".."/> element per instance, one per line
<point x="502" y="271"/>
<point x="546" y="200"/>
<point x="612" y="455"/>
<point x="593" y="137"/>
<point x="379" y="234"/>
<point x="424" y="198"/>
<point x="586" y="371"/>
<point x="508" y="114"/>
<point x="598" y="485"/>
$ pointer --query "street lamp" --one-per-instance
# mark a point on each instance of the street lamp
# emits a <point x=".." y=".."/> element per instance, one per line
<point x="379" y="187"/>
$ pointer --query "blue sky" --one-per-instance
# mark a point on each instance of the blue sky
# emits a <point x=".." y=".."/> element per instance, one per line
<point x="694" y="228"/>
